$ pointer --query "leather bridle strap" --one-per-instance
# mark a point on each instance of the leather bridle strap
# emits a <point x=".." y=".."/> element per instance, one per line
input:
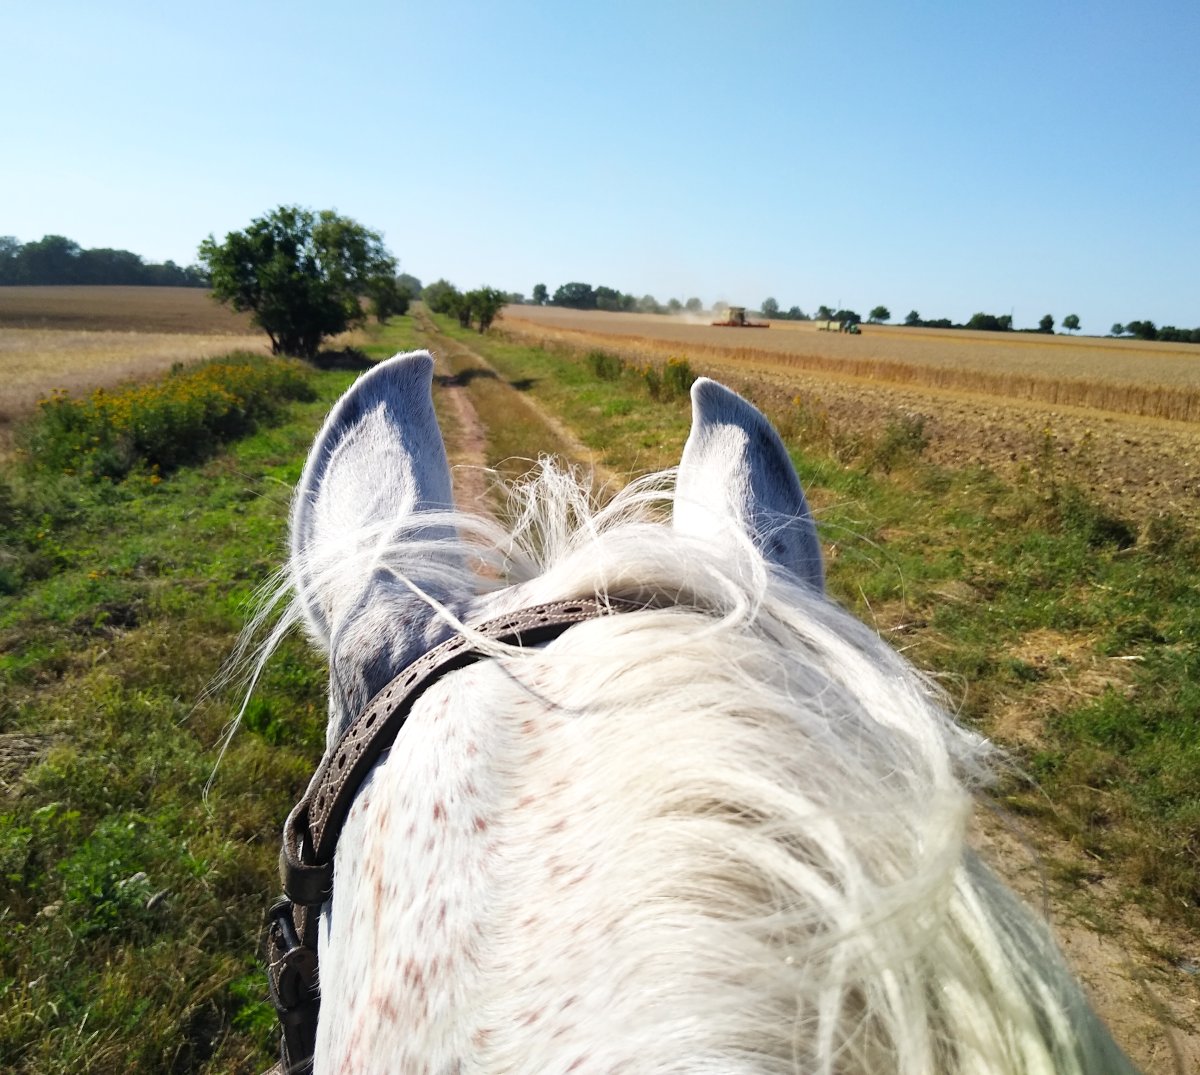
<point x="312" y="829"/>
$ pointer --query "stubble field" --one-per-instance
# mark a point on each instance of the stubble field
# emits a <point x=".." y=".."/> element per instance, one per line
<point x="80" y="338"/>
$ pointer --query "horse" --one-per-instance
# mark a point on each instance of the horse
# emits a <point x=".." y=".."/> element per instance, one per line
<point x="718" y="825"/>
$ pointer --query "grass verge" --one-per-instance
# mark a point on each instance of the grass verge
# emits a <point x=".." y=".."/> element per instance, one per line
<point x="133" y="907"/>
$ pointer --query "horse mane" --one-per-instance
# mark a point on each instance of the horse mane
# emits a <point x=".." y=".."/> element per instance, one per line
<point x="778" y="802"/>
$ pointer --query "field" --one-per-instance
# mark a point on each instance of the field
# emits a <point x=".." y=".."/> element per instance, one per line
<point x="1127" y="376"/>
<point x="78" y="338"/>
<point x="973" y="391"/>
<point x="1062" y="625"/>
<point x="187" y="310"/>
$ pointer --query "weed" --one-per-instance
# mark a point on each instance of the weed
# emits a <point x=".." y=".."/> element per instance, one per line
<point x="671" y="381"/>
<point x="162" y="424"/>
<point x="903" y="440"/>
<point x="605" y="366"/>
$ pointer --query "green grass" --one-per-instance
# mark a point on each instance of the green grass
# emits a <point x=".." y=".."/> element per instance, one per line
<point x="130" y="934"/>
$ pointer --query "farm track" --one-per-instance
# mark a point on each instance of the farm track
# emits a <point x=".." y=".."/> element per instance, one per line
<point x="1117" y="953"/>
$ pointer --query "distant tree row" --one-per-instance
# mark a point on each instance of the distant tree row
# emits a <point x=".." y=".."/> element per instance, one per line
<point x="580" y="296"/>
<point x="481" y="305"/>
<point x="1147" y="330"/>
<point x="55" y="259"/>
<point x="991" y="323"/>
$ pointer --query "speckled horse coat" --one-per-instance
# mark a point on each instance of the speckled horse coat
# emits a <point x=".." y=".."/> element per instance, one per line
<point x="724" y="834"/>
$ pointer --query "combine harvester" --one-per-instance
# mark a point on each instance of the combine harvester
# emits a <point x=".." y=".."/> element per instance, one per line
<point x="735" y="317"/>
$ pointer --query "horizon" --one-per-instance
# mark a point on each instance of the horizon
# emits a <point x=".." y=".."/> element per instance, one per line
<point x="1017" y="162"/>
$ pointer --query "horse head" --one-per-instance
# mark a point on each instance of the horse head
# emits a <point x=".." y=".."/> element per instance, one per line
<point x="715" y="825"/>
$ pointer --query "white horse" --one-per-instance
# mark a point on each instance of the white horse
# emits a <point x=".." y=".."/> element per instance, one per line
<point x="721" y="834"/>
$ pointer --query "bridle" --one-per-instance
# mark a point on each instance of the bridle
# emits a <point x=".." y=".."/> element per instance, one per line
<point x="311" y="831"/>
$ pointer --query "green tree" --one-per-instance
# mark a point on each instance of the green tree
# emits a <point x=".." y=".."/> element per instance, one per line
<point x="824" y="313"/>
<point x="540" y="295"/>
<point x="913" y="318"/>
<point x="769" y="308"/>
<point x="1046" y="324"/>
<point x="388" y="298"/>
<point x="409" y="283"/>
<point x="485" y="304"/>
<point x="693" y="306"/>
<point x="578" y="296"/>
<point x="1118" y="329"/>
<point x="880" y="313"/>
<point x="440" y="296"/>
<point x="1071" y="322"/>
<point x="301" y="275"/>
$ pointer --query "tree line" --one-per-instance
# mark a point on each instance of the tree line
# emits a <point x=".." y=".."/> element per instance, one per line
<point x="577" y="295"/>
<point x="57" y="260"/>
<point x="480" y="306"/>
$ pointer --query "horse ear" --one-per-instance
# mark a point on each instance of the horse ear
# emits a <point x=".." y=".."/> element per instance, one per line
<point x="377" y="463"/>
<point x="735" y="477"/>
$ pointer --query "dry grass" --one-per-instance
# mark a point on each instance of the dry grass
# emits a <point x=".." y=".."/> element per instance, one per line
<point x="33" y="362"/>
<point x="1158" y="380"/>
<point x="120" y="309"/>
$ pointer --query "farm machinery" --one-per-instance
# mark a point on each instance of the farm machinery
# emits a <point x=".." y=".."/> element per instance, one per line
<point x="735" y="317"/>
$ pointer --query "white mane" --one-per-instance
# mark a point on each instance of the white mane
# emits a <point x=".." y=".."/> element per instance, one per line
<point x="725" y="835"/>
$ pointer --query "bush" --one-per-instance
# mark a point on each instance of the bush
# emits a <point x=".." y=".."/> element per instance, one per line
<point x="162" y="424"/>
<point x="605" y="367"/>
<point x="903" y="439"/>
<point x="675" y="379"/>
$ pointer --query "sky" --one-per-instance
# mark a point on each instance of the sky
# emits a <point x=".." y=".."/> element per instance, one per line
<point x="1023" y="157"/>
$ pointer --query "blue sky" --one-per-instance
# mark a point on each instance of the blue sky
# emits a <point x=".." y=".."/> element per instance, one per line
<point x="1029" y="157"/>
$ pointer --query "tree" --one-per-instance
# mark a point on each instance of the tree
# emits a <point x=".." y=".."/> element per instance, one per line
<point x="409" y="283"/>
<point x="485" y="303"/>
<point x="1118" y="329"/>
<point x="540" y="295"/>
<point x="913" y="318"/>
<point x="846" y="317"/>
<point x="441" y="296"/>
<point x="608" y="298"/>
<point x="693" y="306"/>
<point x="576" y="295"/>
<point x="990" y="322"/>
<point x="769" y="308"/>
<point x="880" y="313"/>
<point x="1046" y="324"/>
<point x="824" y="313"/>
<point x="674" y="306"/>
<point x="1071" y="322"/>
<point x="300" y="274"/>
<point x="388" y="299"/>
<point x="796" y="314"/>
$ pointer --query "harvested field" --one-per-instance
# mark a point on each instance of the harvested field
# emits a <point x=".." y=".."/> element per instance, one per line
<point x="1148" y="379"/>
<point x="34" y="362"/>
<point x="187" y="310"/>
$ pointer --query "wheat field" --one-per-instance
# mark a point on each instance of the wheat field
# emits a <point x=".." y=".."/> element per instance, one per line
<point x="1148" y="379"/>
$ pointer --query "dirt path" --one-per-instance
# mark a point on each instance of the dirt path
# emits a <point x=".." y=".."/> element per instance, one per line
<point x="1144" y="979"/>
